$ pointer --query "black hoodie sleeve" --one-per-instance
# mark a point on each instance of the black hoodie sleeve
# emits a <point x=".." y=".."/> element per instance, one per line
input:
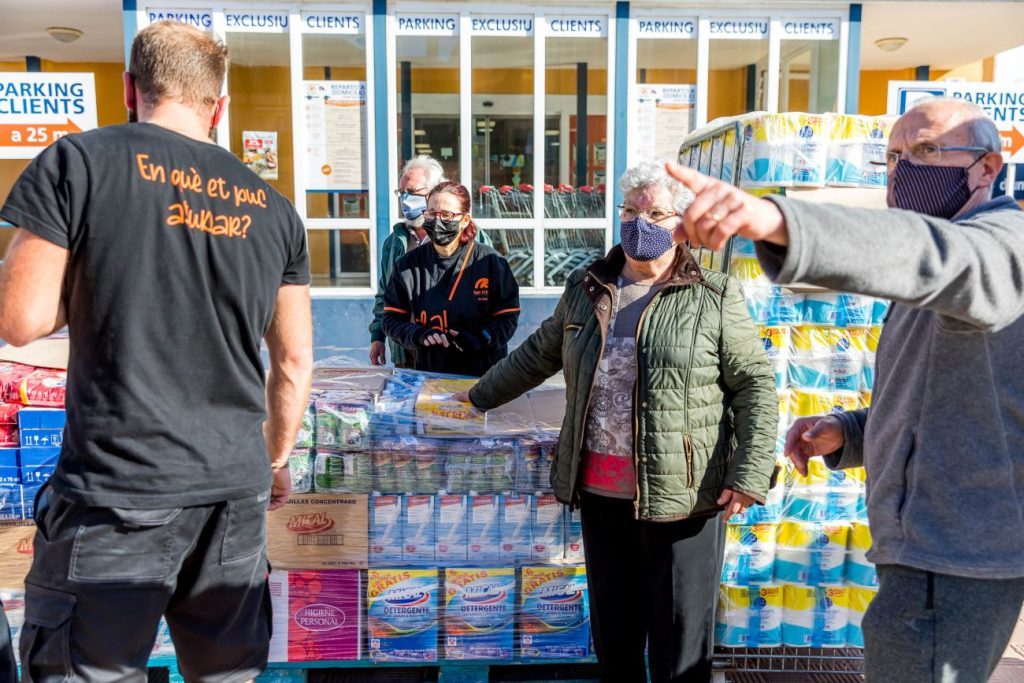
<point x="504" y="303"/>
<point x="397" y="322"/>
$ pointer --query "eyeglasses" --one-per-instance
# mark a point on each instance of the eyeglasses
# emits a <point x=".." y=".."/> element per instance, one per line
<point x="419" y="192"/>
<point x="655" y="215"/>
<point x="927" y="153"/>
<point x="443" y="215"/>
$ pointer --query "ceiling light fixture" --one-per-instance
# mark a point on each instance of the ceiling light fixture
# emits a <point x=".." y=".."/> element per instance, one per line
<point x="890" y="44"/>
<point x="62" y="34"/>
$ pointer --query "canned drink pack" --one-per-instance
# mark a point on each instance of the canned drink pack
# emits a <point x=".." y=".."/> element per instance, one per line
<point x="336" y="472"/>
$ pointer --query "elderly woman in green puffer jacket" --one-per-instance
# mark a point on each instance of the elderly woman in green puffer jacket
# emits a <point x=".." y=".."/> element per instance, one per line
<point x="671" y="418"/>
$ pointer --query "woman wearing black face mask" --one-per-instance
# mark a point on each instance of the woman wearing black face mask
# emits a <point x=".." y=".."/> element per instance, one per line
<point x="455" y="300"/>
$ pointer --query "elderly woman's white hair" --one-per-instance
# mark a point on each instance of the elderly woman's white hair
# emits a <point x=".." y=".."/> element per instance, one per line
<point x="653" y="173"/>
<point x="435" y="174"/>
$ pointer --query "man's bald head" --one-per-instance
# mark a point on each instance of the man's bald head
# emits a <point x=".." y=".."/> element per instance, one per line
<point x="956" y="121"/>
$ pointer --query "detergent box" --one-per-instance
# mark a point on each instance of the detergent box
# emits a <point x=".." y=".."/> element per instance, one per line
<point x="317" y="615"/>
<point x="485" y="514"/>
<point x="516" y="539"/>
<point x="548" y="529"/>
<point x="385" y="530"/>
<point x="573" y="535"/>
<point x="418" y="537"/>
<point x="452" y="529"/>
<point x="401" y="608"/>
<point x="479" y="614"/>
<point x="555" y="615"/>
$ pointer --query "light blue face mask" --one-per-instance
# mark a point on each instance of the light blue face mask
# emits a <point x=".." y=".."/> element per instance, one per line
<point x="413" y="205"/>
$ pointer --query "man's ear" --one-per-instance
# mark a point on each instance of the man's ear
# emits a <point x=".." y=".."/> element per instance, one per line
<point x="992" y="164"/>
<point x="130" y="101"/>
<point x="219" y="110"/>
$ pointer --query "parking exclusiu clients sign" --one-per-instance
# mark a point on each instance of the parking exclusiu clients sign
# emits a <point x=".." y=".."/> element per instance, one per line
<point x="38" y="108"/>
<point x="1003" y="102"/>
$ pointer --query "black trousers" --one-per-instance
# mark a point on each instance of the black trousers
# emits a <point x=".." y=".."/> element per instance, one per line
<point x="8" y="666"/>
<point x="102" y="577"/>
<point x="653" y="584"/>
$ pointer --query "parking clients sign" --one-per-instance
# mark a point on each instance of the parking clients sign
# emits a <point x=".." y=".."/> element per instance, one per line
<point x="38" y="108"/>
<point x="1003" y="102"/>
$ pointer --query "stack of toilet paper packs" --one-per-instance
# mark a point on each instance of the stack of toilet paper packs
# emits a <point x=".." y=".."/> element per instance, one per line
<point x="795" y="572"/>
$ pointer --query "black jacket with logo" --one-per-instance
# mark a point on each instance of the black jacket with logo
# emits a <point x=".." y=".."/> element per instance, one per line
<point x="472" y="292"/>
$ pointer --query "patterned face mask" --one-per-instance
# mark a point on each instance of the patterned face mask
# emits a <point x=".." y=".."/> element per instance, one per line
<point x="643" y="240"/>
<point x="939" y="191"/>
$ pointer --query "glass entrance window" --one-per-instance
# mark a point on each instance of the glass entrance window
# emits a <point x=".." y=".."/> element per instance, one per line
<point x="808" y="75"/>
<point x="737" y="77"/>
<point x="576" y="127"/>
<point x="502" y="126"/>
<point x="259" y="83"/>
<point x="428" y="100"/>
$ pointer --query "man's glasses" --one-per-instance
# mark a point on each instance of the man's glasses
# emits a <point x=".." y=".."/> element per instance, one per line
<point x="927" y="154"/>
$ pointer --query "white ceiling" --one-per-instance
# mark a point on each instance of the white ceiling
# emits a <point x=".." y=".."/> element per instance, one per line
<point x="943" y="35"/>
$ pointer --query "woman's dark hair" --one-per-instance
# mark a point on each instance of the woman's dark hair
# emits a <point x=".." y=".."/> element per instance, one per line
<point x="465" y="204"/>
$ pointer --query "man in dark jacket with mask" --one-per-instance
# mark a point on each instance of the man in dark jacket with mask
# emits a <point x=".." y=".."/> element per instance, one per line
<point x="943" y="441"/>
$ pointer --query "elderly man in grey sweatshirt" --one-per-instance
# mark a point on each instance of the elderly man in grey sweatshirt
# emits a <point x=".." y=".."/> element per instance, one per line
<point x="943" y="441"/>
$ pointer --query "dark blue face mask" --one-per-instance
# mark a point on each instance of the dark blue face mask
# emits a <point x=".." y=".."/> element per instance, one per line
<point x="643" y="240"/>
<point x="939" y="191"/>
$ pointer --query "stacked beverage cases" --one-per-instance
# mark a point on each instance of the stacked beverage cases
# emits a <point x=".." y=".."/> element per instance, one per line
<point x="795" y="572"/>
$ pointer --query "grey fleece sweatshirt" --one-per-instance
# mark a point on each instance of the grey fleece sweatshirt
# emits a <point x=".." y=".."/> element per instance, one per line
<point x="943" y="441"/>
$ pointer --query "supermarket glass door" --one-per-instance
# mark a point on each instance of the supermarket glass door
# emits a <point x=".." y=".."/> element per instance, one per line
<point x="503" y="156"/>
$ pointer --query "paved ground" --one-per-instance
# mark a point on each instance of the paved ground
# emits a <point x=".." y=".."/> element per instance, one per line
<point x="1011" y="670"/>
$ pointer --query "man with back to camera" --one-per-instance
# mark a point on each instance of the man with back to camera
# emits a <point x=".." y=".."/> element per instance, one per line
<point x="170" y="262"/>
<point x="943" y="441"/>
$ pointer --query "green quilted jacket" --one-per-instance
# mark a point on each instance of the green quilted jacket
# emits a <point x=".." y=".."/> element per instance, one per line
<point x="705" y="409"/>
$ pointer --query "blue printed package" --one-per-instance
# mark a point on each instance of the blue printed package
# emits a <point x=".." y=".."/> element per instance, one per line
<point x="820" y="309"/>
<point x="452" y="529"/>
<point x="41" y="427"/>
<point x="573" y="535"/>
<point x="485" y="529"/>
<point x="516" y="539"/>
<point x="11" y="502"/>
<point x="548" y="529"/>
<point x="38" y="464"/>
<point x="401" y="611"/>
<point x="857" y="146"/>
<point x="479" y="615"/>
<point x="853" y="310"/>
<point x="555" y="616"/>
<point x="785" y="150"/>
<point x="418" y="532"/>
<point x="385" y="530"/>
<point x="9" y="462"/>
<point x="783" y="308"/>
<point x="879" y="311"/>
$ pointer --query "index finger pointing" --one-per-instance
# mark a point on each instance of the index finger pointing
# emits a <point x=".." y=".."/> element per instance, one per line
<point x="694" y="180"/>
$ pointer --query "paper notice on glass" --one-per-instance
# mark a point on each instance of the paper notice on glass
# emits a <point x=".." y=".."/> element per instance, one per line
<point x="664" y="116"/>
<point x="260" y="152"/>
<point x="336" y="135"/>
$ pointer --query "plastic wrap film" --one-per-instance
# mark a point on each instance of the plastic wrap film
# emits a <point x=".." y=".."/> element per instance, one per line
<point x="795" y="573"/>
<point x="796" y="149"/>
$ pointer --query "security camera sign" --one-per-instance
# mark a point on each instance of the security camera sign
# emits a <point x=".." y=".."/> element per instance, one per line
<point x="37" y="109"/>
<point x="1003" y="102"/>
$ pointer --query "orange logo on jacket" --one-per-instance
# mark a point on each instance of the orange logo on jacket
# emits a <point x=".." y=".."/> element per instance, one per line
<point x="481" y="289"/>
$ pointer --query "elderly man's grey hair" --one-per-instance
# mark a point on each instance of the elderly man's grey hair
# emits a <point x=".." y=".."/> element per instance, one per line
<point x="435" y="174"/>
<point x="648" y="173"/>
<point x="982" y="131"/>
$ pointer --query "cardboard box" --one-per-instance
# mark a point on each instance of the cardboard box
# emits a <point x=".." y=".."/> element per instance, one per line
<point x="385" y="530"/>
<point x="12" y="506"/>
<point x="41" y="427"/>
<point x="16" y="551"/>
<point x="317" y="615"/>
<point x="319" y="531"/>
<point x="9" y="463"/>
<point x="37" y="465"/>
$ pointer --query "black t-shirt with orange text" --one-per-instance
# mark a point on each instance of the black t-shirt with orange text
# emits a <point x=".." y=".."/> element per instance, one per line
<point x="176" y="255"/>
